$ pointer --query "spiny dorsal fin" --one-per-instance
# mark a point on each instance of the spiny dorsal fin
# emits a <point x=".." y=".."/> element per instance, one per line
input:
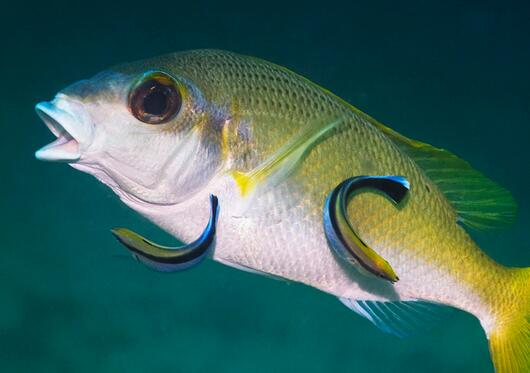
<point x="479" y="202"/>
<point x="400" y="318"/>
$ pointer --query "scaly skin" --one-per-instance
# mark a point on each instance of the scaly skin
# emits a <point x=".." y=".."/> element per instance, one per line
<point x="272" y="145"/>
<point x="239" y="134"/>
<point x="262" y="106"/>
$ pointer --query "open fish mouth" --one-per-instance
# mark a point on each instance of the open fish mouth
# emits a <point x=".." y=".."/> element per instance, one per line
<point x="67" y="129"/>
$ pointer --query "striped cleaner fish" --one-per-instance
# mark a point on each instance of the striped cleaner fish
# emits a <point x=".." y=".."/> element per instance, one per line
<point x="265" y="171"/>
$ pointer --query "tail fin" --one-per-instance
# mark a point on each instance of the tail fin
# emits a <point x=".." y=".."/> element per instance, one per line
<point x="509" y="341"/>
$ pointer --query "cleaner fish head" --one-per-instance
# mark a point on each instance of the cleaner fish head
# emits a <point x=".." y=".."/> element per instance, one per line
<point x="143" y="129"/>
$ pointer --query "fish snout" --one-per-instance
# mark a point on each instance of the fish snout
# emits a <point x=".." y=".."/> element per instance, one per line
<point x="70" y="124"/>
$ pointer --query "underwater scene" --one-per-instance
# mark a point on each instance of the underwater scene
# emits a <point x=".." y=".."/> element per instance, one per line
<point x="348" y="181"/>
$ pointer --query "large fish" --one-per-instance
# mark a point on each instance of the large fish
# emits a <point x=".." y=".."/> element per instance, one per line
<point x="292" y="182"/>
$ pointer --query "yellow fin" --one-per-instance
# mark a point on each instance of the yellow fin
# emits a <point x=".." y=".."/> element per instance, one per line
<point x="509" y="341"/>
<point x="510" y="348"/>
<point x="479" y="202"/>
<point x="284" y="160"/>
<point x="242" y="181"/>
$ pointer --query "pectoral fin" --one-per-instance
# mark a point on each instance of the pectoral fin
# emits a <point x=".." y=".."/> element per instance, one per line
<point x="170" y="259"/>
<point x="285" y="159"/>
<point x="342" y="237"/>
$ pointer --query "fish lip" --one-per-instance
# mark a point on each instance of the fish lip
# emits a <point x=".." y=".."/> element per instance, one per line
<point x="65" y="127"/>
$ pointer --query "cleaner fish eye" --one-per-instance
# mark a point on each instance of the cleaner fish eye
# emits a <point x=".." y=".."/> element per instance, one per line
<point x="156" y="98"/>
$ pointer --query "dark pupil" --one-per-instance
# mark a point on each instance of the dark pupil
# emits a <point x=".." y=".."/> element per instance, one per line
<point x="155" y="103"/>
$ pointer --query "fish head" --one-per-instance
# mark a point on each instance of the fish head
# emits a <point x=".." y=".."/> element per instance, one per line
<point x="143" y="129"/>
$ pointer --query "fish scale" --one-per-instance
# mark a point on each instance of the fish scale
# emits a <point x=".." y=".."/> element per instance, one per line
<point x="272" y="146"/>
<point x="428" y="233"/>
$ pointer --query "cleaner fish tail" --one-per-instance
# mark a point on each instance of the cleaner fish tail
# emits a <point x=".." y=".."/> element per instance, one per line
<point x="509" y="340"/>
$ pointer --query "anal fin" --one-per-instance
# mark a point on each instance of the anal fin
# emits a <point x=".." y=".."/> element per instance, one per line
<point x="400" y="318"/>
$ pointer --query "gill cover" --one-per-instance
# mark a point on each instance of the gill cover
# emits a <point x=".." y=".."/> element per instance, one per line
<point x="339" y="232"/>
<point x="170" y="259"/>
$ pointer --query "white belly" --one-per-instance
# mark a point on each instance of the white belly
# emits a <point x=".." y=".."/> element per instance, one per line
<point x="275" y="235"/>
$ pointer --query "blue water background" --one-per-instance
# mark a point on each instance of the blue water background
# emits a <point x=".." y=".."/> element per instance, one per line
<point x="454" y="74"/>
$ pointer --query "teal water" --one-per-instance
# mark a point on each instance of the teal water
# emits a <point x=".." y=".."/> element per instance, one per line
<point x="454" y="75"/>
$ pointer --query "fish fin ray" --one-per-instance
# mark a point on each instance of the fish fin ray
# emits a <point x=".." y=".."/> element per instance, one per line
<point x="399" y="318"/>
<point x="509" y="337"/>
<point x="479" y="201"/>
<point x="283" y="161"/>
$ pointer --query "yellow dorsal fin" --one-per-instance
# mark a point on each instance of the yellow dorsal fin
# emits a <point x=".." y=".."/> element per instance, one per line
<point x="480" y="202"/>
<point x="284" y="160"/>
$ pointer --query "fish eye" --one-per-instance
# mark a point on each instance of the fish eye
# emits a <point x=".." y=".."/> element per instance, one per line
<point x="156" y="99"/>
